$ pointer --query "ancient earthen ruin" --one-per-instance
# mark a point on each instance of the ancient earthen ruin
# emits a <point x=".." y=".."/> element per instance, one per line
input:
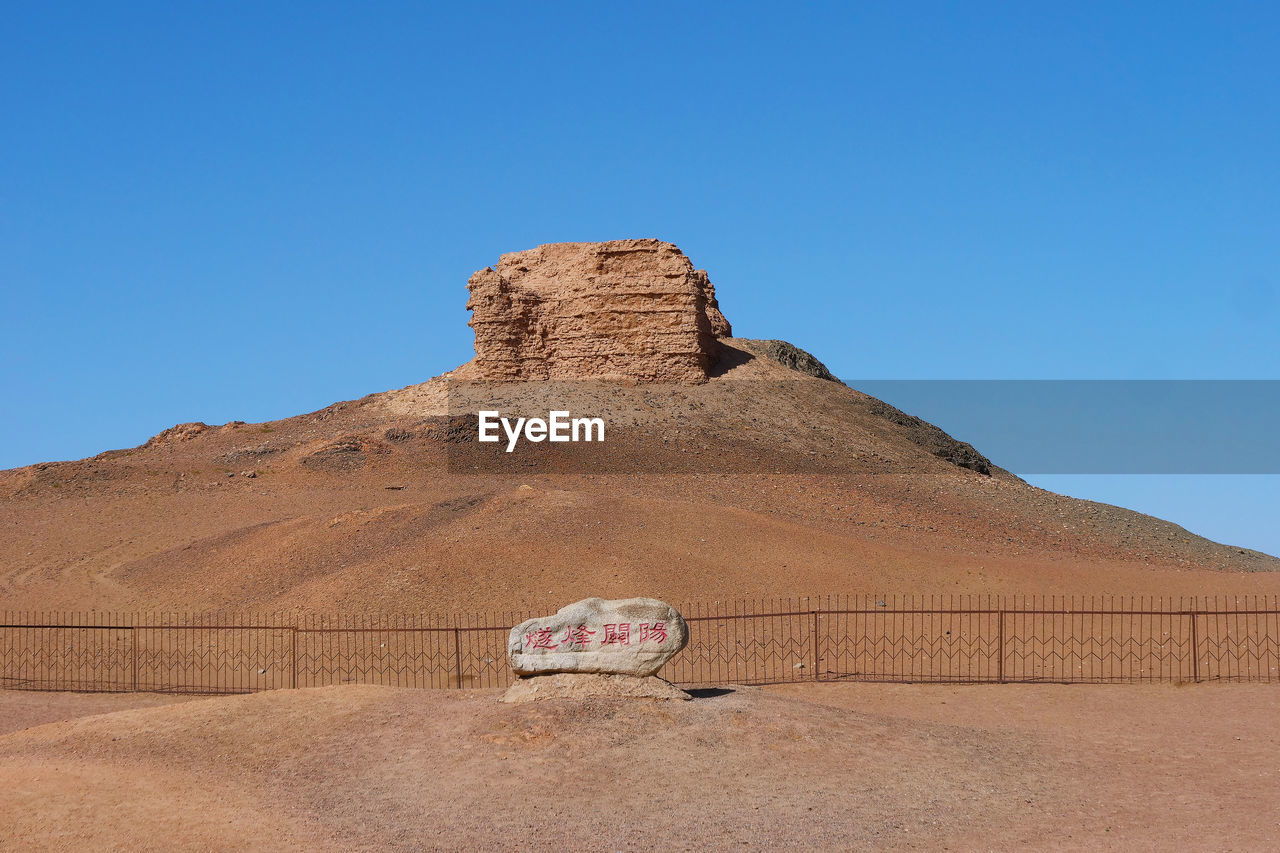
<point x="624" y="309"/>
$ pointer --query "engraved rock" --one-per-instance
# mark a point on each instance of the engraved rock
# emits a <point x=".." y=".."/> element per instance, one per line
<point x="630" y="636"/>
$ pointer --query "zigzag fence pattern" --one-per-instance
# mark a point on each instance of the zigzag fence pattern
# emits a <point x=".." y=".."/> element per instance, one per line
<point x="832" y="638"/>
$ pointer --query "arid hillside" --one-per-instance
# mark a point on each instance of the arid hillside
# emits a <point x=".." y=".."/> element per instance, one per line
<point x="765" y="480"/>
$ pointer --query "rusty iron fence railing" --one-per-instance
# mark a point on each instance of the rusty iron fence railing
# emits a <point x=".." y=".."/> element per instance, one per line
<point x="831" y="638"/>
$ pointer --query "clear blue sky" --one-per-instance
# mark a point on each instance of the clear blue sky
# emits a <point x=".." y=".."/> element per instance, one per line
<point x="247" y="211"/>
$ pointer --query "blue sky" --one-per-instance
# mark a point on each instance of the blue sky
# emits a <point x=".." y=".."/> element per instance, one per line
<point x="252" y="210"/>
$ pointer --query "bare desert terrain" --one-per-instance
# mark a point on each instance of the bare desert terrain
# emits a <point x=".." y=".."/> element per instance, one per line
<point x="894" y="767"/>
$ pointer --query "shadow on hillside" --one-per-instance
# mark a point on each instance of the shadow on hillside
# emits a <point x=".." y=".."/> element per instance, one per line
<point x="728" y="357"/>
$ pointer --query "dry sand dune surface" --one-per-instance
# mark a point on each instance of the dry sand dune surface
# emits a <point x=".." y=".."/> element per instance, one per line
<point x="813" y="766"/>
<point x="764" y="481"/>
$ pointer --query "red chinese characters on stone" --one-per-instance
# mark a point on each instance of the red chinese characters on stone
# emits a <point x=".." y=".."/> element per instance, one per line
<point x="618" y="634"/>
<point x="656" y="632"/>
<point x="615" y="634"/>
<point x="631" y="636"/>
<point x="578" y="636"/>
<point x="540" y="639"/>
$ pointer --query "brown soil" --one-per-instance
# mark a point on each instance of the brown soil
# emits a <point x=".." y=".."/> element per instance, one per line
<point x="23" y="710"/>
<point x="373" y="505"/>
<point x="1132" y="767"/>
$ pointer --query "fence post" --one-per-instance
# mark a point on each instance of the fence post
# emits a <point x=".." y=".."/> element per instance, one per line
<point x="133" y="646"/>
<point x="1195" y="648"/>
<point x="457" y="653"/>
<point x="293" y="653"/>
<point x="1000" y="647"/>
<point x="815" y="646"/>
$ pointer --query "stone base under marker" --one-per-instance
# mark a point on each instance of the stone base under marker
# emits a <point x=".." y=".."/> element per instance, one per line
<point x="581" y="685"/>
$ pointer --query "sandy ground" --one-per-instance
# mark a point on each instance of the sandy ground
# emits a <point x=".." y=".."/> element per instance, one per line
<point x="23" y="710"/>
<point x="850" y="766"/>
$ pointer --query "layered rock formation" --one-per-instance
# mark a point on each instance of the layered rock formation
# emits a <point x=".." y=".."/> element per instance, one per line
<point x="633" y="309"/>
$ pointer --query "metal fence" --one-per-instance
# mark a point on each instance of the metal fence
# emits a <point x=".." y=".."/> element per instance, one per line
<point x="831" y="638"/>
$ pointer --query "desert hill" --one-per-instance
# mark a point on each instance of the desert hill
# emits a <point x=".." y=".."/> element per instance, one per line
<point x="732" y="468"/>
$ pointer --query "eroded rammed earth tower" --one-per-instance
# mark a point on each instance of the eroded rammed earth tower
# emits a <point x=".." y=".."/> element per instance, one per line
<point x="625" y="309"/>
